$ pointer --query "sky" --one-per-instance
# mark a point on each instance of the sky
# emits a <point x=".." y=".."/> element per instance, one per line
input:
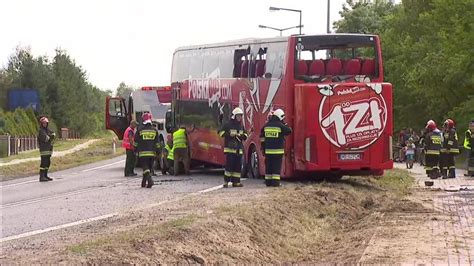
<point x="132" y="41"/>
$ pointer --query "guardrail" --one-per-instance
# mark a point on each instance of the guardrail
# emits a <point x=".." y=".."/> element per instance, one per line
<point x="12" y="145"/>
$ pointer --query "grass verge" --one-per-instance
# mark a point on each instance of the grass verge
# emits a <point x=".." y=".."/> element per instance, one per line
<point x="305" y="223"/>
<point x="60" y="145"/>
<point x="100" y="150"/>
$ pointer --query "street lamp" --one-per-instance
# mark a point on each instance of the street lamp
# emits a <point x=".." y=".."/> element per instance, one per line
<point x="272" y="8"/>
<point x="281" y="30"/>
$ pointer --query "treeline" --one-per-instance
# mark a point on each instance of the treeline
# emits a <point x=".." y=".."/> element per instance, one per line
<point x="66" y="96"/>
<point x="428" y="56"/>
<point x="21" y="122"/>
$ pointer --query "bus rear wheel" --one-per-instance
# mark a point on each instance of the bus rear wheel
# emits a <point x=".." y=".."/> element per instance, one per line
<point x="253" y="163"/>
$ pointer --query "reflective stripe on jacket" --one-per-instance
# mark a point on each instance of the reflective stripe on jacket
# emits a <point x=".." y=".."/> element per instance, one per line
<point x="234" y="134"/>
<point x="179" y="139"/>
<point x="273" y="135"/>
<point x="450" y="142"/>
<point x="433" y="142"/>
<point x="170" y="152"/>
<point x="146" y="141"/>
<point x="467" y="139"/>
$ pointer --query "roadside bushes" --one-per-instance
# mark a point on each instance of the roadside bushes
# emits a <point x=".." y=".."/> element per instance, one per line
<point x="21" y="122"/>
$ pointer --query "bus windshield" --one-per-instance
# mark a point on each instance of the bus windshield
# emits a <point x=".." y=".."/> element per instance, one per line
<point x="336" y="58"/>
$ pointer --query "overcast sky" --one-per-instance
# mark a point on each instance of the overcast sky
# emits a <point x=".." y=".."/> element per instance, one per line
<point x="133" y="40"/>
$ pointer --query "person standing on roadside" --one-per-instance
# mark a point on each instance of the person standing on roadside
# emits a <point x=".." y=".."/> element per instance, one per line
<point x="146" y="144"/>
<point x="272" y="137"/>
<point x="469" y="148"/>
<point x="234" y="134"/>
<point x="127" y="143"/>
<point x="433" y="142"/>
<point x="449" y="149"/>
<point x="45" y="142"/>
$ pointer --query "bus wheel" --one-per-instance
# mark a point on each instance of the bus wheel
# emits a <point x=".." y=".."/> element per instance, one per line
<point x="254" y="163"/>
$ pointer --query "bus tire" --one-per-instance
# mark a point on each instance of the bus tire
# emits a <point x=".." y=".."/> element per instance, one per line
<point x="253" y="163"/>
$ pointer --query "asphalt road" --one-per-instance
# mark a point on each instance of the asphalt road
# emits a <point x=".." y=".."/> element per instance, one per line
<point x="91" y="192"/>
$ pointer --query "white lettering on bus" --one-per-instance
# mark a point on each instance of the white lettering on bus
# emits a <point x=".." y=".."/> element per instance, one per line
<point x="351" y="130"/>
<point x="209" y="89"/>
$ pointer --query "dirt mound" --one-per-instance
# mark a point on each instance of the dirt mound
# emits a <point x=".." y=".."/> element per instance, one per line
<point x="299" y="223"/>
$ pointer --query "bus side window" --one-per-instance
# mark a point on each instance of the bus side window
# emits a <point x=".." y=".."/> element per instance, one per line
<point x="275" y="60"/>
<point x="240" y="63"/>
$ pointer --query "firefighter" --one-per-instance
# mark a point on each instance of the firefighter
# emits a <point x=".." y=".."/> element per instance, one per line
<point x="449" y="150"/>
<point x="469" y="146"/>
<point x="433" y="142"/>
<point x="146" y="143"/>
<point x="181" y="152"/>
<point x="168" y="156"/>
<point x="46" y="138"/>
<point x="272" y="137"/>
<point x="127" y="143"/>
<point x="234" y="134"/>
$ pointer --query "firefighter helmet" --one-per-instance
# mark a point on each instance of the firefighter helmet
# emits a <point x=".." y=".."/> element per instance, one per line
<point x="44" y="119"/>
<point x="280" y="114"/>
<point x="449" y="123"/>
<point x="430" y="125"/>
<point x="146" y="117"/>
<point x="237" y="111"/>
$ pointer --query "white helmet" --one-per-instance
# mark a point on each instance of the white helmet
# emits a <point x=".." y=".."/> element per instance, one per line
<point x="280" y="114"/>
<point x="237" y="111"/>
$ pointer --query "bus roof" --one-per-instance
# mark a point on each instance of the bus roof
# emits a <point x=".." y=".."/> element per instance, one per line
<point x="247" y="41"/>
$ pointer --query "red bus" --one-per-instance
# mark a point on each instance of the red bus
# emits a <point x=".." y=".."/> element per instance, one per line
<point x="330" y="87"/>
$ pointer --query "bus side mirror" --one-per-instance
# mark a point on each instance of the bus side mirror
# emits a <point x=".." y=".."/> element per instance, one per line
<point x="168" y="121"/>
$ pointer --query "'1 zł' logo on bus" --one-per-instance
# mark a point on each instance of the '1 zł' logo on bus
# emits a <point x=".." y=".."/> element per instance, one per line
<point x="352" y="117"/>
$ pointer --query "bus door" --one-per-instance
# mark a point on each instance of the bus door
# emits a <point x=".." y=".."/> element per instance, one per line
<point x="117" y="118"/>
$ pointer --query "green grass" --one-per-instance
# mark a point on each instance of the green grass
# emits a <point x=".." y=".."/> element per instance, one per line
<point x="397" y="181"/>
<point x="60" y="145"/>
<point x="99" y="150"/>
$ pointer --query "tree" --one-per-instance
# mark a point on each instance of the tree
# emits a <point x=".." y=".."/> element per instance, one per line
<point x="363" y="17"/>
<point x="123" y="90"/>
<point x="428" y="55"/>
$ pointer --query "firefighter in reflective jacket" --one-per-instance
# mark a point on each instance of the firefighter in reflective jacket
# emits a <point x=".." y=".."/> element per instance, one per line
<point x="272" y="137"/>
<point x="448" y="150"/>
<point x="45" y="143"/>
<point x="234" y="134"/>
<point x="146" y="144"/>
<point x="469" y="146"/>
<point x="433" y="142"/>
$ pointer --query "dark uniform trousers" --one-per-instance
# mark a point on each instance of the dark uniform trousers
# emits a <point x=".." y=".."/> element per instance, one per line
<point x="431" y="165"/>
<point x="272" y="169"/>
<point x="147" y="163"/>
<point x="446" y="164"/>
<point x="130" y="162"/>
<point x="181" y="155"/>
<point x="44" y="164"/>
<point x="233" y="167"/>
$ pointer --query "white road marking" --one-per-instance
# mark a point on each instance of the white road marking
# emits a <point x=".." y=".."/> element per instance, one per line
<point x="102" y="217"/>
<point x="36" y="232"/>
<point x="102" y="166"/>
<point x="20" y="183"/>
<point x="209" y="189"/>
<point x="25" y="202"/>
